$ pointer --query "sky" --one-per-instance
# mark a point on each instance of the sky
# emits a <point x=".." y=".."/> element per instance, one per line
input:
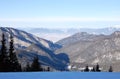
<point x="60" y="13"/>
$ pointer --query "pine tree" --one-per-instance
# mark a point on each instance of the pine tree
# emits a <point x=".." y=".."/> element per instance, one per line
<point x="28" y="68"/>
<point x="97" y="68"/>
<point x="35" y="66"/>
<point x="86" y="69"/>
<point x="48" y="68"/>
<point x="14" y="64"/>
<point x="4" y="58"/>
<point x="93" y="70"/>
<point x="110" y="69"/>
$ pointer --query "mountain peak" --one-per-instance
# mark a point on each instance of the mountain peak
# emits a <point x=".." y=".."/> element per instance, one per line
<point x="81" y="34"/>
<point x="116" y="33"/>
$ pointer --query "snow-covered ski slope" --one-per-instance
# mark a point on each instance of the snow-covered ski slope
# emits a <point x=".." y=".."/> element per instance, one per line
<point x="60" y="75"/>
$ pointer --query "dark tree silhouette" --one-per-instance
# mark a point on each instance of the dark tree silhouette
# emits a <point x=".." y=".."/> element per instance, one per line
<point x="4" y="58"/>
<point x="86" y="69"/>
<point x="28" y="68"/>
<point x="93" y="70"/>
<point x="97" y="68"/>
<point x="110" y="69"/>
<point x="8" y="60"/>
<point x="35" y="66"/>
<point x="48" y="68"/>
<point x="14" y="64"/>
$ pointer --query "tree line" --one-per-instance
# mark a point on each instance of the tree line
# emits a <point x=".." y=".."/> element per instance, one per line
<point x="35" y="66"/>
<point x="9" y="61"/>
<point x="96" y="69"/>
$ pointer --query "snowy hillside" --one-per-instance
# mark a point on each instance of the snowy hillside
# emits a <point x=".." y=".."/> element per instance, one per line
<point x="81" y="36"/>
<point x="84" y="48"/>
<point x="23" y="39"/>
<point x="28" y="46"/>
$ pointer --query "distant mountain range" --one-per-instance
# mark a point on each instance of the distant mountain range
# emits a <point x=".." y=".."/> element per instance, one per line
<point x="78" y="47"/>
<point x="107" y="30"/>
<point x="28" y="46"/>
<point x="57" y="34"/>
<point x="85" y="48"/>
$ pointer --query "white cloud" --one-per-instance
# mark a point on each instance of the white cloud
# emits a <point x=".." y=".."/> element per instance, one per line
<point x="116" y="26"/>
<point x="52" y="36"/>
<point x="57" y="19"/>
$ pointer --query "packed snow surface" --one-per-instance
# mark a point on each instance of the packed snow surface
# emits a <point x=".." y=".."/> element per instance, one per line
<point x="60" y="75"/>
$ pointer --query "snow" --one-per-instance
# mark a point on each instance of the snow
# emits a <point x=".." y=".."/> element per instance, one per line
<point x="95" y="61"/>
<point x="81" y="68"/>
<point x="69" y="67"/>
<point x="14" y="32"/>
<point x="90" y="68"/>
<point x="20" y="42"/>
<point x="26" y="36"/>
<point x="74" y="67"/>
<point x="52" y="36"/>
<point x="24" y="39"/>
<point x="60" y="75"/>
<point x="118" y="56"/>
<point x="79" y="60"/>
<point x="44" y="43"/>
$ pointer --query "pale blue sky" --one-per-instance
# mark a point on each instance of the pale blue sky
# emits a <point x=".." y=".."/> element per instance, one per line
<point x="60" y="13"/>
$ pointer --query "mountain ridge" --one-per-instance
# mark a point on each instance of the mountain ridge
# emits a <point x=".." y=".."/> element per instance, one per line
<point x="28" y="46"/>
<point x="56" y="34"/>
<point x="102" y="49"/>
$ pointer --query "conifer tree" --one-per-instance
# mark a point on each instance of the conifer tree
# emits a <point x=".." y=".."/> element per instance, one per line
<point x="93" y="70"/>
<point x="14" y="64"/>
<point x="35" y="66"/>
<point x="4" y="58"/>
<point x="97" y="68"/>
<point x="28" y="68"/>
<point x="48" y="68"/>
<point x="110" y="69"/>
<point x="86" y="69"/>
